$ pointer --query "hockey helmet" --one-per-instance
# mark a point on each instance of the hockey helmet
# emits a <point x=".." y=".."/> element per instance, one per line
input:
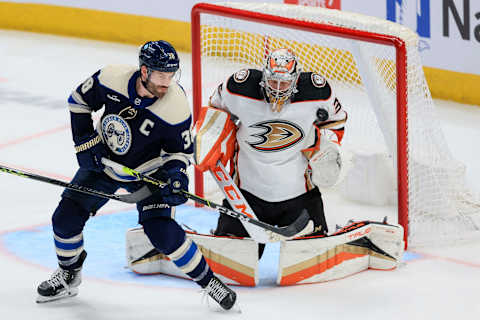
<point x="280" y="75"/>
<point x="159" y="55"/>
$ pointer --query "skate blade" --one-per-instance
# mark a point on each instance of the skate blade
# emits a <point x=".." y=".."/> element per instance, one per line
<point x="62" y="295"/>
<point x="213" y="306"/>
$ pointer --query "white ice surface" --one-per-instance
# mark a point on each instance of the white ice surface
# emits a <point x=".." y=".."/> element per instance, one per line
<point x="37" y="73"/>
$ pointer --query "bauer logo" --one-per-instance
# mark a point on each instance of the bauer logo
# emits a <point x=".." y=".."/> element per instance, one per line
<point x="276" y="135"/>
<point x="331" y="4"/>
<point x="397" y="11"/>
<point x="116" y="134"/>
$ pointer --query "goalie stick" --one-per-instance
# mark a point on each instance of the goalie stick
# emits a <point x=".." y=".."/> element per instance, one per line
<point x="286" y="232"/>
<point x="238" y="202"/>
<point x="134" y="197"/>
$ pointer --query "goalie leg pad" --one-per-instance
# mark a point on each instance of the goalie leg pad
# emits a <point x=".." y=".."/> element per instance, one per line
<point x="169" y="238"/>
<point x="355" y="248"/>
<point x="233" y="260"/>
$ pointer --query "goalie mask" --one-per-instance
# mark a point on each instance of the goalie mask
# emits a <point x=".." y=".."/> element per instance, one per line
<point x="280" y="76"/>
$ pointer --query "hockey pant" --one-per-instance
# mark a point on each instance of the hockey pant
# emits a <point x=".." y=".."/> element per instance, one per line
<point x="156" y="217"/>
<point x="280" y="213"/>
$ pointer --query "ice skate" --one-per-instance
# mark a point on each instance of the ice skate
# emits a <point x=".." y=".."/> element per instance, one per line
<point x="62" y="284"/>
<point x="222" y="294"/>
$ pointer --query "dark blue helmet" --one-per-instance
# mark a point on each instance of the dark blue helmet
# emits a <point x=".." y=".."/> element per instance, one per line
<point x="160" y="56"/>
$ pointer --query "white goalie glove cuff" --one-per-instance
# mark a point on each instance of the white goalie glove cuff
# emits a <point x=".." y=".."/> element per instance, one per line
<point x="326" y="164"/>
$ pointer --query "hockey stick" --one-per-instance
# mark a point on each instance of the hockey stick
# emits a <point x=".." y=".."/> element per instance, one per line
<point x="134" y="197"/>
<point x="287" y="231"/>
<point x="237" y="201"/>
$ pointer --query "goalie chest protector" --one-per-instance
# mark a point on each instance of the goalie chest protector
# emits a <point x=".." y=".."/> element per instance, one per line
<point x="270" y="142"/>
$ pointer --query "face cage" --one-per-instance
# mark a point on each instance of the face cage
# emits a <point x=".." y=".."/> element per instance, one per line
<point x="276" y="96"/>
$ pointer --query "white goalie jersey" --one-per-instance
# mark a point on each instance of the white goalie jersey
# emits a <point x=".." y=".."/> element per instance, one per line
<point x="274" y="147"/>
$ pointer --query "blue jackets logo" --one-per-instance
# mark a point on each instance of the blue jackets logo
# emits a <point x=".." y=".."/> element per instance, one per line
<point x="116" y="134"/>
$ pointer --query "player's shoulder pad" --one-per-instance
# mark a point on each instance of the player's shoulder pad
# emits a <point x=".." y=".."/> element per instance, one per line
<point x="116" y="77"/>
<point x="173" y="107"/>
<point x="246" y="82"/>
<point x="312" y="86"/>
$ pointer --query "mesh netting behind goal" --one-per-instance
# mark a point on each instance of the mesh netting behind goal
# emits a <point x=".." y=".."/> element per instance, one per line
<point x="375" y="69"/>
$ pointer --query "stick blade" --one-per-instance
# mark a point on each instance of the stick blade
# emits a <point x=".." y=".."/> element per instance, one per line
<point x="297" y="226"/>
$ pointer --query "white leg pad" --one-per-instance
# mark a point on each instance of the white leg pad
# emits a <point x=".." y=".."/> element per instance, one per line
<point x="233" y="260"/>
<point x="319" y="259"/>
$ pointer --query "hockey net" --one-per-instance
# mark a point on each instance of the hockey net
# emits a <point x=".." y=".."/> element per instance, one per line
<point x="375" y="68"/>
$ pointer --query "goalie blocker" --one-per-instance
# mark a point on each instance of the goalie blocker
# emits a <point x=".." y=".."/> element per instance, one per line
<point x="355" y="248"/>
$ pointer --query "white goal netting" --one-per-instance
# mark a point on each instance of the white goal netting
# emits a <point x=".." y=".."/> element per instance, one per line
<point x="364" y="75"/>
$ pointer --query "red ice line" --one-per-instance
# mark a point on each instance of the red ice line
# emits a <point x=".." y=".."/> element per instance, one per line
<point x="452" y="260"/>
<point x="34" y="136"/>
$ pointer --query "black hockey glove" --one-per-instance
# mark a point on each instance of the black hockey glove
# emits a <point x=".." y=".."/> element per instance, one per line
<point x="90" y="152"/>
<point x="177" y="180"/>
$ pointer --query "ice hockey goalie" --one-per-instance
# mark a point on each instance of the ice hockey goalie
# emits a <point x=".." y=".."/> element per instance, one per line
<point x="356" y="247"/>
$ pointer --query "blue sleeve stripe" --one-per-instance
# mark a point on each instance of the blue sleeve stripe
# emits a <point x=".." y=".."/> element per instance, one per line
<point x="70" y="100"/>
<point x="68" y="246"/>
<point x="187" y="256"/>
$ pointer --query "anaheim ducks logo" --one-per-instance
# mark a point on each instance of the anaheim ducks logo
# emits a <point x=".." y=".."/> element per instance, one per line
<point x="276" y="135"/>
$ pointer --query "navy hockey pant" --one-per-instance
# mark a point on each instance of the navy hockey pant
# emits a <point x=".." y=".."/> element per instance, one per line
<point x="164" y="233"/>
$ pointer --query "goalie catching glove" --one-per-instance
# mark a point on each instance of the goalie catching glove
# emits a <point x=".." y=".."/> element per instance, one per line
<point x="326" y="163"/>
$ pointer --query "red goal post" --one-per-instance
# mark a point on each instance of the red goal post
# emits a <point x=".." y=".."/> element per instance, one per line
<point x="337" y="25"/>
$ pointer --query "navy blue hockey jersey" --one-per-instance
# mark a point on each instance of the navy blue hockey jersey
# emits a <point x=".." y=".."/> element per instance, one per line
<point x="140" y="133"/>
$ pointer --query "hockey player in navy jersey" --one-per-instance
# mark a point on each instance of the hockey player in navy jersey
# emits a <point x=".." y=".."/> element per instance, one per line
<point x="145" y="125"/>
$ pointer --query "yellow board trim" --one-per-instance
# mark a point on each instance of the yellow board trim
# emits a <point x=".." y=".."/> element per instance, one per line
<point x="136" y="29"/>
<point x="451" y="85"/>
<point x="94" y="24"/>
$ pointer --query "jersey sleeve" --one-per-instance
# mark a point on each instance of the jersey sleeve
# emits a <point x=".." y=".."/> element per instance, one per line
<point x="217" y="98"/>
<point x="331" y="121"/>
<point x="329" y="124"/>
<point x="86" y="98"/>
<point x="244" y="82"/>
<point x="177" y="150"/>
